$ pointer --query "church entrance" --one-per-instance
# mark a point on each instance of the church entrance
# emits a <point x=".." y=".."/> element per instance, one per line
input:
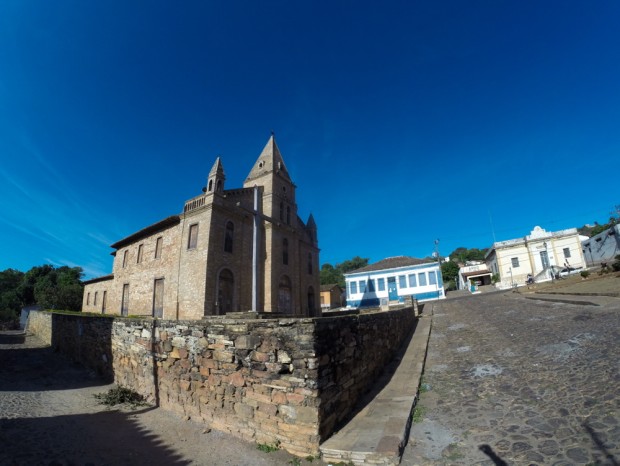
<point x="285" y="295"/>
<point x="225" y="291"/>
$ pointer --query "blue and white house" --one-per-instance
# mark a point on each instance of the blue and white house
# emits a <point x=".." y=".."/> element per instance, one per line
<point x="392" y="279"/>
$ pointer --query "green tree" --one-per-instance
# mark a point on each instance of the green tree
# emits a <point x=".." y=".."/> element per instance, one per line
<point x="335" y="275"/>
<point x="449" y="271"/>
<point x="10" y="301"/>
<point x="329" y="275"/>
<point x="462" y="255"/>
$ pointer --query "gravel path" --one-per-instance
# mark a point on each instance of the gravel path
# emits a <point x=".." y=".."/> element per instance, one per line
<point x="512" y="379"/>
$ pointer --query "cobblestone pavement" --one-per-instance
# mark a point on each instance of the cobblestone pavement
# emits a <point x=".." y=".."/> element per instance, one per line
<point x="49" y="416"/>
<point x="518" y="380"/>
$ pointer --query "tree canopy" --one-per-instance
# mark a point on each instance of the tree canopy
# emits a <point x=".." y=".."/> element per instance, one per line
<point x="335" y="274"/>
<point x="45" y="285"/>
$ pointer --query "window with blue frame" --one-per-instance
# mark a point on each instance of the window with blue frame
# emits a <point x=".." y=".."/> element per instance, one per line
<point x="362" y="286"/>
<point x="371" y="285"/>
<point x="422" y="278"/>
<point x="402" y="281"/>
<point x="353" y="287"/>
<point x="432" y="278"/>
<point x="412" y="281"/>
<point x="381" y="284"/>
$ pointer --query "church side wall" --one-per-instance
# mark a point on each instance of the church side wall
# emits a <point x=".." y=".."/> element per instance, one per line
<point x="140" y="277"/>
<point x="287" y="380"/>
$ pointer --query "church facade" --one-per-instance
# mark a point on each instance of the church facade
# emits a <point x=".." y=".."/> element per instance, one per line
<point x="230" y="250"/>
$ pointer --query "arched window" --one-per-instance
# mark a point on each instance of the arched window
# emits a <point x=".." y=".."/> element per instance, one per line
<point x="281" y="211"/>
<point x="288" y="215"/>
<point x="285" y="251"/>
<point x="219" y="186"/>
<point x="309" y="263"/>
<point x="210" y="185"/>
<point x="228" y="239"/>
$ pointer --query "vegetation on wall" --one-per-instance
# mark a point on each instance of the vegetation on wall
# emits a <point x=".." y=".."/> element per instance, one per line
<point x="45" y="285"/>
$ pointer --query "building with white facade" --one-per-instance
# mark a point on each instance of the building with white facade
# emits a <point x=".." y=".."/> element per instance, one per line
<point x="392" y="280"/>
<point x="474" y="274"/>
<point x="541" y="254"/>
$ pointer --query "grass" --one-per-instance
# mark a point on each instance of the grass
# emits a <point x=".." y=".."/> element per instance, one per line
<point x="268" y="447"/>
<point x="121" y="396"/>
<point x="418" y="413"/>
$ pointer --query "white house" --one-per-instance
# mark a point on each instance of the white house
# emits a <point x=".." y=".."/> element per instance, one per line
<point x="474" y="273"/>
<point x="393" y="279"/>
<point x="542" y="254"/>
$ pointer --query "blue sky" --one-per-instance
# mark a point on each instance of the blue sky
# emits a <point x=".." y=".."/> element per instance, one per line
<point x="400" y="122"/>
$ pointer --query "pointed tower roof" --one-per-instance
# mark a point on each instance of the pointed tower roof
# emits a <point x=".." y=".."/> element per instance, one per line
<point x="217" y="168"/>
<point x="269" y="161"/>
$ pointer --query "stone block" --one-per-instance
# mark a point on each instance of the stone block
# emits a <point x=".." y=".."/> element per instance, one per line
<point x="178" y="342"/>
<point x="243" y="411"/>
<point x="237" y="379"/>
<point x="295" y="399"/>
<point x="260" y="356"/>
<point x="267" y="408"/>
<point x="278" y="397"/>
<point x="223" y="356"/>
<point x="247" y="341"/>
<point x="283" y="357"/>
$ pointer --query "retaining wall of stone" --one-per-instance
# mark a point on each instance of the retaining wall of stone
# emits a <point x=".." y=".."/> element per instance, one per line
<point x="286" y="381"/>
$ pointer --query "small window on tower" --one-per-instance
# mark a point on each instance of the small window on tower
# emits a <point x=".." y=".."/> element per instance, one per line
<point x="228" y="239"/>
<point x="192" y="239"/>
<point x="285" y="251"/>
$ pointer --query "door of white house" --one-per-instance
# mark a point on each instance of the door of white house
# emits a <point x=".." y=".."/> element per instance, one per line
<point x="392" y="291"/>
<point x="544" y="258"/>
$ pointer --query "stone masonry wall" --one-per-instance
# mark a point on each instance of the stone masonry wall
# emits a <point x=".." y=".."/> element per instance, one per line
<point x="40" y="323"/>
<point x="290" y="381"/>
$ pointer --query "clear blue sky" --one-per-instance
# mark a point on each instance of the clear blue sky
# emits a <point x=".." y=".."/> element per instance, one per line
<point x="400" y="122"/>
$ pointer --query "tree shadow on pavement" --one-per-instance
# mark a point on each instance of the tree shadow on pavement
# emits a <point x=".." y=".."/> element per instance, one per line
<point x="600" y="444"/>
<point x="104" y="438"/>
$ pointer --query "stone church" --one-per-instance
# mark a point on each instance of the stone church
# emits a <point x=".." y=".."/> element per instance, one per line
<point x="230" y="250"/>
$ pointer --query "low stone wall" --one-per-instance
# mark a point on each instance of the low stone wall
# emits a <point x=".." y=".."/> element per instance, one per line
<point x="40" y="323"/>
<point x="286" y="381"/>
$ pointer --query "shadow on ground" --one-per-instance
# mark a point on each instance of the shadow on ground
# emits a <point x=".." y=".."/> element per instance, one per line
<point x="109" y="437"/>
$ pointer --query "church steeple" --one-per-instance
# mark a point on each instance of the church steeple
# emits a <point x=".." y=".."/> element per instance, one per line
<point x="311" y="229"/>
<point x="269" y="161"/>
<point x="215" y="182"/>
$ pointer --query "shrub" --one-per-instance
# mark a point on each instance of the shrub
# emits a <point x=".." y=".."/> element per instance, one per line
<point x="584" y="273"/>
<point x="121" y="395"/>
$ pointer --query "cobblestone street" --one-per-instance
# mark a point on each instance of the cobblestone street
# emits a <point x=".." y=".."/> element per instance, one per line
<point x="520" y="379"/>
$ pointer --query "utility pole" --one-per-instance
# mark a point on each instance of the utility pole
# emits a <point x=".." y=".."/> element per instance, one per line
<point x="438" y="266"/>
